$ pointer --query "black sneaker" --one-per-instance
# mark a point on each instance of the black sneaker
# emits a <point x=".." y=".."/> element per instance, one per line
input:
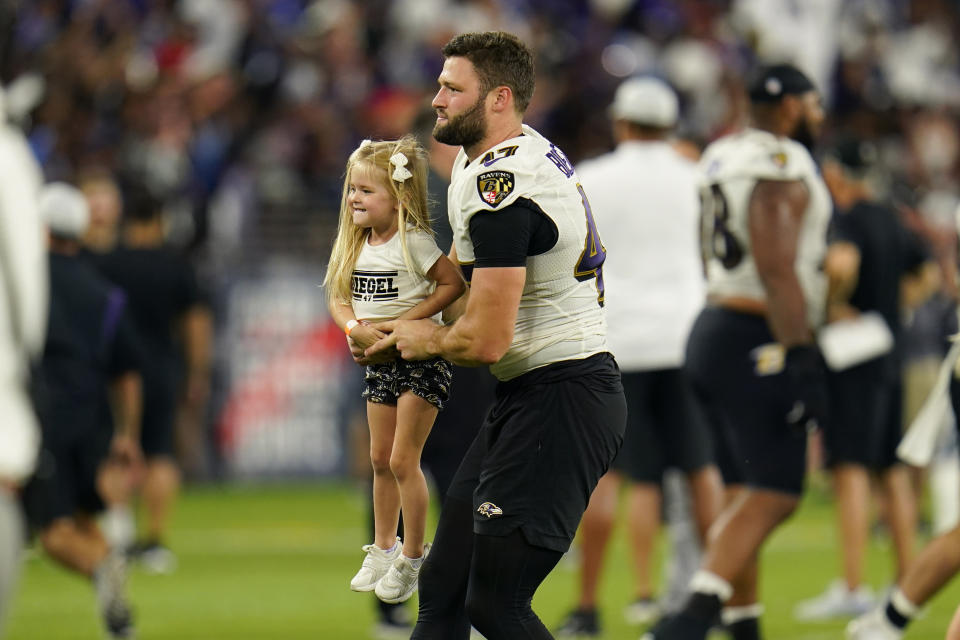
<point x="579" y="624"/>
<point x="110" y="580"/>
<point x="679" y="626"/>
<point x="395" y="623"/>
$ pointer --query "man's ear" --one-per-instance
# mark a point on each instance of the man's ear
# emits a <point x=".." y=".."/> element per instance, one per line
<point x="792" y="106"/>
<point x="502" y="98"/>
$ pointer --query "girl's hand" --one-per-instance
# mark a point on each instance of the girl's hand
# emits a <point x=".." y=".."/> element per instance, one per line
<point x="360" y="338"/>
<point x="365" y="334"/>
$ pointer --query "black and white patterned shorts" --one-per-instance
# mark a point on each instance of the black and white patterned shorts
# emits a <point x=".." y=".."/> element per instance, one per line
<point x="429" y="379"/>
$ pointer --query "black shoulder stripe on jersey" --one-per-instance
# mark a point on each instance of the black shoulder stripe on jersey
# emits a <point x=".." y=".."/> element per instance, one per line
<point x="545" y="233"/>
<point x="507" y="237"/>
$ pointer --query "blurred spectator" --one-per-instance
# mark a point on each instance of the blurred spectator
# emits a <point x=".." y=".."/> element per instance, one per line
<point x="869" y="257"/>
<point x="173" y="319"/>
<point x="91" y="350"/>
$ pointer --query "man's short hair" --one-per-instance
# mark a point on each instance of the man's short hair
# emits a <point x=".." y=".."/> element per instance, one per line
<point x="500" y="59"/>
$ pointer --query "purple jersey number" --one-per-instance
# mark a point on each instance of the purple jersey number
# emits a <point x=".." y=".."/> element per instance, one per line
<point x="590" y="264"/>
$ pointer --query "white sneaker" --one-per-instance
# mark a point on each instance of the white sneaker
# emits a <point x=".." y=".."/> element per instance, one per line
<point x="873" y="626"/>
<point x="401" y="580"/>
<point x="836" y="602"/>
<point x="642" y="611"/>
<point x="374" y="566"/>
<point x="157" y="559"/>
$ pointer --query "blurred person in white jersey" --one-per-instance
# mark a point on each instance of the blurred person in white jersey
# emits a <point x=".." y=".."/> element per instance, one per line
<point x="526" y="242"/>
<point x="751" y="354"/>
<point x="648" y="194"/>
<point x="24" y="290"/>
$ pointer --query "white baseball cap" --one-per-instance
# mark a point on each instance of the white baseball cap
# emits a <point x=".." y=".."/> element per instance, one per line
<point x="64" y="209"/>
<point x="646" y="100"/>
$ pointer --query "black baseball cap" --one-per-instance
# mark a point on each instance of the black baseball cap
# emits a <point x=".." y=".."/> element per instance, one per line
<point x="771" y="83"/>
<point x="854" y="154"/>
<point x="858" y="157"/>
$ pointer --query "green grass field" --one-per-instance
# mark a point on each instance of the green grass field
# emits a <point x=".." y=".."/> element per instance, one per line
<point x="273" y="562"/>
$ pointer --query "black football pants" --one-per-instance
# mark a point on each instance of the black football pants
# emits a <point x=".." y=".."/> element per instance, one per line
<point x="486" y="581"/>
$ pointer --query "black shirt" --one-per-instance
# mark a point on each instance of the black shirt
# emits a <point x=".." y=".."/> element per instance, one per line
<point x="160" y="285"/>
<point x="90" y="340"/>
<point x="888" y="250"/>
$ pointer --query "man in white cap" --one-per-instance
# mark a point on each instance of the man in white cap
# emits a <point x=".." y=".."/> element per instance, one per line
<point x="647" y="192"/>
<point x="23" y="316"/>
<point x="90" y="352"/>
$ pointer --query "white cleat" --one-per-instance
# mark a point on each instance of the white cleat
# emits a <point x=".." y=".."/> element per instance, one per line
<point x="873" y="626"/>
<point x="836" y="602"/>
<point x="401" y="580"/>
<point x="374" y="566"/>
<point x="642" y="611"/>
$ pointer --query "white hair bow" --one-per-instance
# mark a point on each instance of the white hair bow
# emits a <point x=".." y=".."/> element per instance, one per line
<point x="399" y="162"/>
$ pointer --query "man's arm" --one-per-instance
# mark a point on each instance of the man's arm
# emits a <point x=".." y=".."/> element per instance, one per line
<point x="197" y="341"/>
<point x="842" y="266"/>
<point x="480" y="336"/>
<point x="776" y="215"/>
<point x="126" y="394"/>
<point x="919" y="285"/>
<point x="775" y="219"/>
<point x="456" y="308"/>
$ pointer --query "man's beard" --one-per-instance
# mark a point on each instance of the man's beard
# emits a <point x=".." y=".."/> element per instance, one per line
<point x="803" y="133"/>
<point x="465" y="129"/>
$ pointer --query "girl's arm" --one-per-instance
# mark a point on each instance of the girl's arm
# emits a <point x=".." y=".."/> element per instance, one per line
<point x="362" y="334"/>
<point x="455" y="309"/>
<point x="450" y="286"/>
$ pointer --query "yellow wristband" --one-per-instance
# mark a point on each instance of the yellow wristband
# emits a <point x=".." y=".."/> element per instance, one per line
<point x="349" y="326"/>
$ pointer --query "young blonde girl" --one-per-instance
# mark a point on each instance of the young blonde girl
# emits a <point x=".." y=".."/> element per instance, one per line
<point x="386" y="265"/>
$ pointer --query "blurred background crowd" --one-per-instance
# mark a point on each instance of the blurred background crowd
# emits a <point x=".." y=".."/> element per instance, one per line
<point x="238" y="116"/>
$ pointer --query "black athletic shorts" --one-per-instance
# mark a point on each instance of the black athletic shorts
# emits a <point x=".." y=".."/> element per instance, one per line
<point x="159" y="409"/>
<point x="429" y="379"/>
<point x="736" y="369"/>
<point x="665" y="427"/>
<point x="65" y="481"/>
<point x="866" y="408"/>
<point x="550" y="435"/>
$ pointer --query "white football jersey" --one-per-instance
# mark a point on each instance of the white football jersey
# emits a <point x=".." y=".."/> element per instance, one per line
<point x="560" y="315"/>
<point x="730" y="168"/>
<point x="383" y="287"/>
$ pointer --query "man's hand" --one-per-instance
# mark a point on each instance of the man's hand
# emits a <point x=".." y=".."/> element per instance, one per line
<point x="807" y="373"/>
<point x="411" y="338"/>
<point x="125" y="450"/>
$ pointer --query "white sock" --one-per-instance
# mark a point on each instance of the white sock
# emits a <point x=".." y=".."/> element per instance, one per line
<point x="903" y="605"/>
<point x="391" y="549"/>
<point x="415" y="562"/>
<point x="731" y="615"/>
<point x="704" y="581"/>
<point x="119" y="527"/>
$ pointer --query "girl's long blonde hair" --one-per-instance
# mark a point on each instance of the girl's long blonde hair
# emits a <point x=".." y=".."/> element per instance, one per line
<point x="410" y="192"/>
